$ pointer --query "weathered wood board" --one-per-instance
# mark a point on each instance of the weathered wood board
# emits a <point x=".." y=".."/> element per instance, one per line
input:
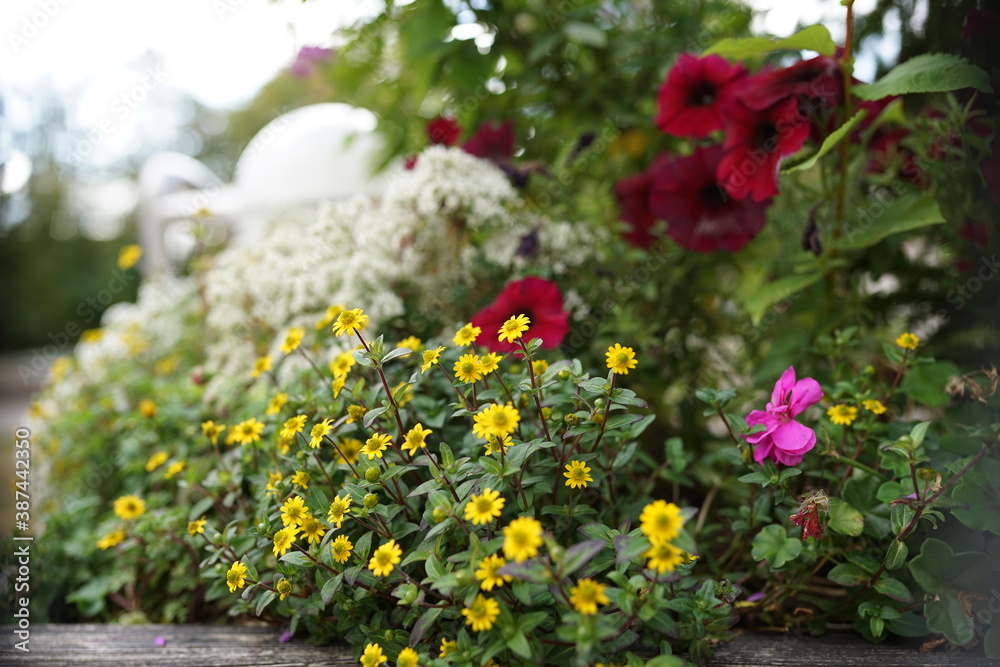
<point x="258" y="646"/>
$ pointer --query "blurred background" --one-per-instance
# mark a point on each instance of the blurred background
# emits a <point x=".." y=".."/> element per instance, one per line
<point x="90" y="89"/>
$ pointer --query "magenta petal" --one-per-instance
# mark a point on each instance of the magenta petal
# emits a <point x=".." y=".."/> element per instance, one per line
<point x="783" y="386"/>
<point x="794" y="438"/>
<point x="763" y="450"/>
<point x="805" y="393"/>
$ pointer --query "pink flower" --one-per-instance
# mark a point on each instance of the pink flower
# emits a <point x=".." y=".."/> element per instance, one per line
<point x="785" y="441"/>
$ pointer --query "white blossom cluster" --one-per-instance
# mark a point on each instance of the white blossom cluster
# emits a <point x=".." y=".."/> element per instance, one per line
<point x="449" y="224"/>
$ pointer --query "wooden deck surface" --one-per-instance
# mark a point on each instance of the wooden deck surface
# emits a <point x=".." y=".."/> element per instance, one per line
<point x="258" y="646"/>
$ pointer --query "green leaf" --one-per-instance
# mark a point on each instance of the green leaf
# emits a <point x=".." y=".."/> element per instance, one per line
<point x="895" y="557"/>
<point x="991" y="644"/>
<point x="937" y="569"/>
<point x="395" y="353"/>
<point x="773" y="545"/>
<point x="947" y="616"/>
<point x="979" y="493"/>
<point x="844" y="519"/>
<point x="424" y="624"/>
<point x="879" y="220"/>
<point x="296" y="558"/>
<point x="925" y="383"/>
<point x="330" y="588"/>
<point x="263" y="601"/>
<point x="778" y="290"/>
<point x="814" y="38"/>
<point x="585" y="33"/>
<point x="894" y="589"/>
<point x="927" y="73"/>
<point x="579" y="555"/>
<point x="372" y="415"/>
<point x="831" y="140"/>
<point x="755" y="478"/>
<point x="847" y="574"/>
<point x="518" y="643"/>
<point x="363" y="547"/>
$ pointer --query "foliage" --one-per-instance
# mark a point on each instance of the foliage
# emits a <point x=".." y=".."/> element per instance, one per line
<point x="863" y="304"/>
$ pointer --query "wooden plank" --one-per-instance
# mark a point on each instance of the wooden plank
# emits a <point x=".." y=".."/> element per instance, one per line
<point x="258" y="646"/>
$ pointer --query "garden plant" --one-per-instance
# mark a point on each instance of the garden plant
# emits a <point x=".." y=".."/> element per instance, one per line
<point x="587" y="384"/>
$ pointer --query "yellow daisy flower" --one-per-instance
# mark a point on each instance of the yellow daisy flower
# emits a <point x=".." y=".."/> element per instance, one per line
<point x="577" y="474"/>
<point x="284" y="539"/>
<point x="129" y="256"/>
<point x="874" y="405"/>
<point x="129" y="507"/>
<point x="293" y="511"/>
<point x="174" y="469"/>
<point x="376" y="444"/>
<point x="407" y="658"/>
<point x="513" y="328"/>
<point x="489" y="572"/>
<point x="313" y="529"/>
<point x="301" y="478"/>
<point x="385" y="559"/>
<point x="416" y="438"/>
<point x="341" y="548"/>
<point x="430" y="358"/>
<point x="664" y="557"/>
<point x="350" y="448"/>
<point x="482" y="613"/>
<point x="908" y="341"/>
<point x="293" y="426"/>
<point x="621" y="359"/>
<point x="156" y="460"/>
<point x="261" y="366"/>
<point x="329" y="316"/>
<point x="110" y="540"/>
<point x="468" y="368"/>
<point x="293" y="339"/>
<point x="247" y="431"/>
<point x="522" y="537"/>
<point x="319" y="431"/>
<point x="841" y="414"/>
<point x="373" y="656"/>
<point x="448" y="646"/>
<point x="278" y="402"/>
<point x="196" y="527"/>
<point x="212" y="430"/>
<point x="495" y="419"/>
<point x="355" y="413"/>
<point x="490" y="362"/>
<point x="236" y="577"/>
<point x="586" y="595"/>
<point x="467" y="335"/>
<point x="338" y="510"/>
<point x="661" y="521"/>
<point x="349" y="322"/>
<point x="284" y="588"/>
<point x="484" y="507"/>
<point x="342" y="364"/>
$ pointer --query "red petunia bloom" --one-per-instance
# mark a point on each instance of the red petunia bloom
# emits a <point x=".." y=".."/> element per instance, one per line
<point x="991" y="170"/>
<point x="692" y="98"/>
<point x="632" y="193"/>
<point x="755" y="143"/>
<point x="443" y="131"/>
<point x="535" y="297"/>
<point x="492" y="141"/>
<point x="700" y="215"/>
<point x="818" y="78"/>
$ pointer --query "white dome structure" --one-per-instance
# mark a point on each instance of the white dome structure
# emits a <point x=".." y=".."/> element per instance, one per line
<point x="313" y="154"/>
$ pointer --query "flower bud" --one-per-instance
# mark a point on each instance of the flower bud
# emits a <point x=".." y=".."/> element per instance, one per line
<point x="571" y="419"/>
<point x="599" y="403"/>
<point x="565" y="374"/>
<point x="372" y="475"/>
<point x="926" y="474"/>
<point x="523" y="401"/>
<point x="546" y="413"/>
<point x="439" y="514"/>
<point x="597" y="417"/>
<point x="370" y="501"/>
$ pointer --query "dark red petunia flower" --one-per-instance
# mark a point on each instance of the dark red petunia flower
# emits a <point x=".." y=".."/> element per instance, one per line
<point x="818" y="78"/>
<point x="632" y="193"/>
<point x="443" y="131"/>
<point x="755" y="143"/>
<point x="700" y="215"/>
<point x="492" y="141"/>
<point x="535" y="297"/>
<point x="692" y="98"/>
<point x="984" y="22"/>
<point x="991" y="170"/>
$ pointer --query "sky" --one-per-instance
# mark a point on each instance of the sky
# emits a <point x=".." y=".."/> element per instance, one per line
<point x="223" y="51"/>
